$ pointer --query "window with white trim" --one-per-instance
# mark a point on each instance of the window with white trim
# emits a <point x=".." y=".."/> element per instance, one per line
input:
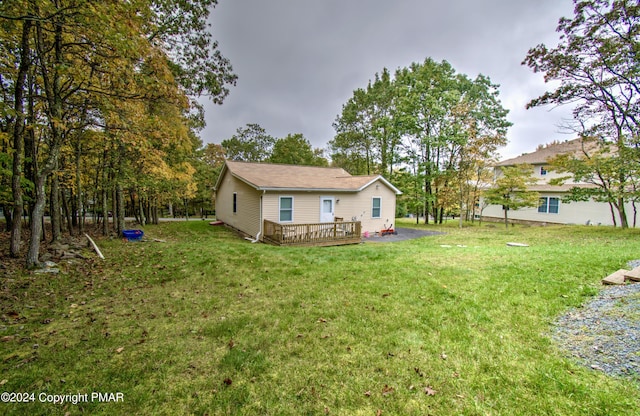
<point x="549" y="205"/>
<point x="286" y="209"/>
<point x="376" y="207"/>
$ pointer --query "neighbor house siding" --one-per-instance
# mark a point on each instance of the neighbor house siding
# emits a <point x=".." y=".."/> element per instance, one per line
<point x="590" y="212"/>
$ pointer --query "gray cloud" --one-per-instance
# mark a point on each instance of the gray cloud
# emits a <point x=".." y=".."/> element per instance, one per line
<point x="299" y="61"/>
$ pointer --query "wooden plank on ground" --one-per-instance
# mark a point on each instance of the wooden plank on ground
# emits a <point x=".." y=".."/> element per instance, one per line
<point x="633" y="275"/>
<point x="616" y="278"/>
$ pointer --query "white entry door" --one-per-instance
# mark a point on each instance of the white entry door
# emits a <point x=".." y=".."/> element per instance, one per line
<point x="326" y="209"/>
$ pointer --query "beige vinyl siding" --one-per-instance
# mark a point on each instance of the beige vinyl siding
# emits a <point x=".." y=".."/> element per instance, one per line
<point x="568" y="213"/>
<point x="306" y="206"/>
<point x="364" y="205"/>
<point x="247" y="217"/>
<point x="347" y="205"/>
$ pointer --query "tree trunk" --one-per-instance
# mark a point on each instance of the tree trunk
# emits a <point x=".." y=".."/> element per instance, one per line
<point x="114" y="209"/>
<point x="36" y="221"/>
<point x="55" y="208"/>
<point x="622" y="213"/>
<point x="8" y="219"/>
<point x="79" y="189"/>
<point x="74" y="212"/>
<point x="67" y="213"/>
<point x="105" y="212"/>
<point x="613" y="214"/>
<point x="51" y="82"/>
<point x="18" y="141"/>
<point x="120" y="208"/>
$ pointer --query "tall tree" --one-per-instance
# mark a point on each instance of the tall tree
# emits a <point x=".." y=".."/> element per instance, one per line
<point x="366" y="139"/>
<point x="296" y="150"/>
<point x="249" y="144"/>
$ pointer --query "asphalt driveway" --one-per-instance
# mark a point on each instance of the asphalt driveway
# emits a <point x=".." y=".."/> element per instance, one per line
<point x="403" y="234"/>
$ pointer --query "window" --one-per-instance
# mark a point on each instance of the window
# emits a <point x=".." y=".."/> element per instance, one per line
<point x="549" y="205"/>
<point x="376" y="207"/>
<point x="286" y="209"/>
<point x="543" y="170"/>
<point x="235" y="202"/>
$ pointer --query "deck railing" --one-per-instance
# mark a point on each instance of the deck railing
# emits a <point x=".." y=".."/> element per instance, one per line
<point x="320" y="234"/>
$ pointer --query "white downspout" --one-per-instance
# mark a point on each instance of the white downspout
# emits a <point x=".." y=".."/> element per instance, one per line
<point x="261" y="220"/>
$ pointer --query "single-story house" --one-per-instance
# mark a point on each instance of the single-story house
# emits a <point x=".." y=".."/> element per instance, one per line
<point x="302" y="202"/>
<point x="552" y="209"/>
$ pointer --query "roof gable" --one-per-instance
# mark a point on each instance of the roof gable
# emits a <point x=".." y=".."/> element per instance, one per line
<point x="265" y="176"/>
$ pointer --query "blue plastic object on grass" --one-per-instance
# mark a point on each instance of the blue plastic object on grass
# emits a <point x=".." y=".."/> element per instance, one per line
<point x="133" y="235"/>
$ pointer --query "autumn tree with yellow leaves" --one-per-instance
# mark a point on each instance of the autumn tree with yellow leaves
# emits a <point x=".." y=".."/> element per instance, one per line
<point x="98" y="104"/>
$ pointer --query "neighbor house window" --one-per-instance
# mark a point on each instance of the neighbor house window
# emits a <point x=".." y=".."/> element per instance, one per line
<point x="543" y="171"/>
<point x="549" y="205"/>
<point x="235" y="202"/>
<point x="376" y="207"/>
<point x="286" y="209"/>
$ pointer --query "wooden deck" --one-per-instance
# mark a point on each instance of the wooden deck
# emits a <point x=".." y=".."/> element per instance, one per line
<point x="318" y="234"/>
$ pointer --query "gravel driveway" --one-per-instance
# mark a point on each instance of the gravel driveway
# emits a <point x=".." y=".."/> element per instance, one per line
<point x="604" y="334"/>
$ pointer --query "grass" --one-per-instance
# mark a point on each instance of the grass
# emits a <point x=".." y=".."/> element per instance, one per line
<point x="208" y="323"/>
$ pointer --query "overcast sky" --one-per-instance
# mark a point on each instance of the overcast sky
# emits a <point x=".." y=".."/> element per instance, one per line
<point x="299" y="61"/>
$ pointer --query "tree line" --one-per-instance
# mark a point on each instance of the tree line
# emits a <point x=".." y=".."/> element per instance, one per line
<point x="97" y="106"/>
<point x="431" y="130"/>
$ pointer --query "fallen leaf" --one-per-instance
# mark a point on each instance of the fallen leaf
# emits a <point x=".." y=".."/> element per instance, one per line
<point x="231" y="343"/>
<point x="384" y="295"/>
<point x="429" y="391"/>
<point x="3" y="382"/>
<point x="367" y="393"/>
<point x="379" y="412"/>
<point x="227" y="381"/>
<point x="322" y="320"/>
<point x="443" y="356"/>
<point x="387" y="390"/>
<point x="119" y="350"/>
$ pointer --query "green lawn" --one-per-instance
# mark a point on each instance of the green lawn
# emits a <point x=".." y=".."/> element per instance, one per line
<point x="208" y="323"/>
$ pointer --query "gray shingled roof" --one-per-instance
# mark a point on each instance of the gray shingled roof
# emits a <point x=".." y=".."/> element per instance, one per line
<point x="541" y="156"/>
<point x="264" y="176"/>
